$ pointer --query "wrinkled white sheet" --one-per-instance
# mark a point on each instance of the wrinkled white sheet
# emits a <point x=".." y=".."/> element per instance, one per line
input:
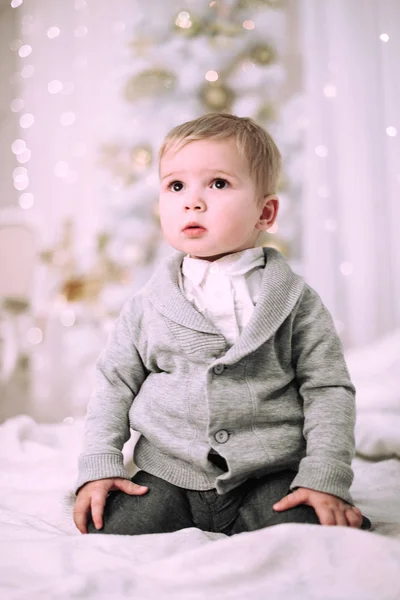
<point x="43" y="556"/>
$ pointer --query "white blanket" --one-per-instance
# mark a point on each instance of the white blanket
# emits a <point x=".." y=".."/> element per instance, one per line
<point x="44" y="557"/>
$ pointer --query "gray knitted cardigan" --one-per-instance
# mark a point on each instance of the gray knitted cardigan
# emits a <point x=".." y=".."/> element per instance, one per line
<point x="279" y="398"/>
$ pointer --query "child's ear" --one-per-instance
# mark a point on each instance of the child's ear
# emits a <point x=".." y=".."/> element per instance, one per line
<point x="269" y="213"/>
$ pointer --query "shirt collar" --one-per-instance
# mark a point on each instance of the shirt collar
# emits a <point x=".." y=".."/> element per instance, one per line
<point x="238" y="263"/>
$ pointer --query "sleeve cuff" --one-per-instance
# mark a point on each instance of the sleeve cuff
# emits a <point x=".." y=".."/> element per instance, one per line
<point x="331" y="477"/>
<point x="99" y="466"/>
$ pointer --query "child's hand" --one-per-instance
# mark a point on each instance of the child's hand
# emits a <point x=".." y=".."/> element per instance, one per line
<point x="93" y="496"/>
<point x="330" y="509"/>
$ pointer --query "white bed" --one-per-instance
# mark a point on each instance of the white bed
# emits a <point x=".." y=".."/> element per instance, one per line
<point x="44" y="557"/>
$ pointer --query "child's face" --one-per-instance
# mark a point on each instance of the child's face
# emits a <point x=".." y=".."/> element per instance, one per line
<point x="207" y="184"/>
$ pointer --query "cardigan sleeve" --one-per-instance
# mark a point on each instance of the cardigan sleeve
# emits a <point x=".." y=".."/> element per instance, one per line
<point x="120" y="373"/>
<point x="328" y="400"/>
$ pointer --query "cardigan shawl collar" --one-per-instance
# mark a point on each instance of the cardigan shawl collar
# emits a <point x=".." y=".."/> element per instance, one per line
<point x="280" y="291"/>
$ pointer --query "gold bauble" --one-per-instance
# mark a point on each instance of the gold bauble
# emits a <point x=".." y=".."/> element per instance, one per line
<point x="81" y="288"/>
<point x="224" y="28"/>
<point x="151" y="82"/>
<point x="156" y="212"/>
<point x="266" y="113"/>
<point x="273" y="241"/>
<point x="216" y="96"/>
<point x="103" y="239"/>
<point x="282" y="183"/>
<point x="141" y="158"/>
<point x="262" y="54"/>
<point x="141" y="45"/>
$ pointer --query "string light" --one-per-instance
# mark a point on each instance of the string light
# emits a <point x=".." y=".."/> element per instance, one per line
<point x="17" y="104"/>
<point x="248" y="24"/>
<point x="20" y="173"/>
<point x="53" y="32"/>
<point x="323" y="191"/>
<point x="61" y="168"/>
<point x="21" y="184"/>
<point x="54" y="86"/>
<point x="18" y="146"/>
<point x="247" y="65"/>
<point x="183" y="20"/>
<point x="391" y="131"/>
<point x="384" y="37"/>
<point x="211" y="76"/>
<point x="67" y="118"/>
<point x="27" y="71"/>
<point x="15" y="45"/>
<point x="26" y="120"/>
<point x="346" y="268"/>
<point x="25" y="50"/>
<point x="16" y="3"/>
<point x="24" y="156"/>
<point x="67" y="318"/>
<point x="330" y="225"/>
<point x="80" y="31"/>
<point x="34" y="335"/>
<point x="321" y="151"/>
<point x="26" y="201"/>
<point x="330" y="90"/>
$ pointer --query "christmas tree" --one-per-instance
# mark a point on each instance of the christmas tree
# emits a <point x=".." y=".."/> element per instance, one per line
<point x="206" y="57"/>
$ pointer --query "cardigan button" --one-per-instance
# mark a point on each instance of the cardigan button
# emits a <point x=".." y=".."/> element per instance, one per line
<point x="221" y="436"/>
<point x="218" y="369"/>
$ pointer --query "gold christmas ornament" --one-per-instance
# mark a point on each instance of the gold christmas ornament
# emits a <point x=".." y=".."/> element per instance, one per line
<point x="282" y="183"/>
<point x="267" y="113"/>
<point x="141" y="157"/>
<point x="217" y="96"/>
<point x="156" y="212"/>
<point x="141" y="45"/>
<point x="262" y="54"/>
<point x="152" y="82"/>
<point x="126" y="164"/>
<point x="272" y="241"/>
<point x="224" y="28"/>
<point x="81" y="289"/>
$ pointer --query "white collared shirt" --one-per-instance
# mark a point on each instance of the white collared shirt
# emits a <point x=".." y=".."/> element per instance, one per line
<point x="224" y="291"/>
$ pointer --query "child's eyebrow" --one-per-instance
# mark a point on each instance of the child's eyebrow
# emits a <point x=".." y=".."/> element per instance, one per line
<point x="215" y="172"/>
<point x="166" y="176"/>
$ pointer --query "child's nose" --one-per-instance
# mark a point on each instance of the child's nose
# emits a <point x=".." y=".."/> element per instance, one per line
<point x="195" y="201"/>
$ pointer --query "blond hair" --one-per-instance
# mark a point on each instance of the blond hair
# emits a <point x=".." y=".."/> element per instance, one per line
<point x="253" y="142"/>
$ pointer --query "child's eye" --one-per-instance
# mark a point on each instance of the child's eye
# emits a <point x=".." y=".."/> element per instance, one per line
<point x="176" y="186"/>
<point x="220" y="184"/>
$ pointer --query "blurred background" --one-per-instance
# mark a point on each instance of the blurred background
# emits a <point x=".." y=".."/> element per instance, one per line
<point x="88" y="90"/>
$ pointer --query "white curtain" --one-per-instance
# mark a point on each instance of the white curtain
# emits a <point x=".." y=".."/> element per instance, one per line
<point x="351" y="211"/>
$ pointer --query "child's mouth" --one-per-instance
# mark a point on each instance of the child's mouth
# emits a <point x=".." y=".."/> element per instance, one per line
<point x="193" y="230"/>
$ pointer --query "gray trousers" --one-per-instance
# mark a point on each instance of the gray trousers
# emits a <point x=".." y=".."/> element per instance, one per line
<point x="166" y="507"/>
